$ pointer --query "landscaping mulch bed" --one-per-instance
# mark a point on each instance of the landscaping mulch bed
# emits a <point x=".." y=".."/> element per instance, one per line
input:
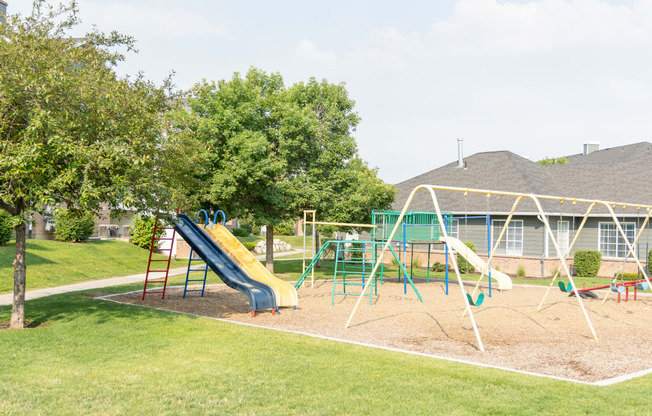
<point x="556" y="341"/>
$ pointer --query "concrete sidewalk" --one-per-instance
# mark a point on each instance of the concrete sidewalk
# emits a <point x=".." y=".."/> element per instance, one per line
<point x="98" y="284"/>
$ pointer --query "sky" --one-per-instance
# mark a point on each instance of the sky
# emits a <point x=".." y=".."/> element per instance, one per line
<point x="538" y="78"/>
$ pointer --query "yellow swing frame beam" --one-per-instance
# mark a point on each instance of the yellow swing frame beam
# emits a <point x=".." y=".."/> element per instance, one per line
<point x="520" y="197"/>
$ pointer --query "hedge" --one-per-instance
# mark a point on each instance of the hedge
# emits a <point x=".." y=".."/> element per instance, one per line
<point x="73" y="226"/>
<point x="465" y="266"/>
<point x="587" y="262"/>
<point x="5" y="227"/>
<point x="142" y="229"/>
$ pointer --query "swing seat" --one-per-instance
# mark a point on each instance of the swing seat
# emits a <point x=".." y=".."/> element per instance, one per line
<point x="564" y="288"/>
<point x="616" y="288"/>
<point x="642" y="286"/>
<point x="478" y="302"/>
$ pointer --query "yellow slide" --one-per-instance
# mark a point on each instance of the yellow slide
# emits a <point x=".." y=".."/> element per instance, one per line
<point x="285" y="293"/>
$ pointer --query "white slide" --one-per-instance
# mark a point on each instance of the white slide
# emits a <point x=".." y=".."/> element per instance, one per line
<point x="504" y="281"/>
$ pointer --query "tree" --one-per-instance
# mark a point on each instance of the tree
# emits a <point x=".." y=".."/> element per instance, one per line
<point x="71" y="132"/>
<point x="274" y="151"/>
<point x="553" y="161"/>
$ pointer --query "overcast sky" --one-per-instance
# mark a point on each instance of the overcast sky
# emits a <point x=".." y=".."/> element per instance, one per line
<point x="538" y="78"/>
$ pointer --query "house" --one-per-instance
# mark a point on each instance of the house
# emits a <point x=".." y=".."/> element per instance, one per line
<point x="620" y="174"/>
<point x="3" y="10"/>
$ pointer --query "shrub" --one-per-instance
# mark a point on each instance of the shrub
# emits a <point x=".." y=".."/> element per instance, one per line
<point x="284" y="229"/>
<point x="465" y="266"/>
<point x="587" y="262"/>
<point x="249" y="245"/>
<point x="73" y="226"/>
<point x="5" y="227"/>
<point x="439" y="267"/>
<point x="416" y="262"/>
<point x="142" y="229"/>
<point x="649" y="262"/>
<point x="629" y="276"/>
<point x="521" y="271"/>
<point x="240" y="232"/>
<point x="247" y="227"/>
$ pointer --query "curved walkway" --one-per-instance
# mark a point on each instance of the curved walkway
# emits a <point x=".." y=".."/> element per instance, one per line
<point x="97" y="284"/>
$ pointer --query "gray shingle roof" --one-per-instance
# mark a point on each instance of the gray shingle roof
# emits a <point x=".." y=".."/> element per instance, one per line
<point x="615" y="175"/>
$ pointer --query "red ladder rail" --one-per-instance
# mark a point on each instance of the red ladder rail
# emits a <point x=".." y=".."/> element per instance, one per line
<point x="158" y="279"/>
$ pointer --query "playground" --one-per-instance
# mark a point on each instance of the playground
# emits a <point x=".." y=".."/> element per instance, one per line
<point x="526" y="328"/>
<point x="553" y="343"/>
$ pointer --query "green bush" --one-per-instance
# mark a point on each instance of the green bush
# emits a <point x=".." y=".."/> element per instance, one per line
<point x="240" y="232"/>
<point x="465" y="266"/>
<point x="520" y="272"/>
<point x="249" y="245"/>
<point x="284" y="229"/>
<point x="649" y="262"/>
<point x="439" y="267"/>
<point x="142" y="229"/>
<point x="587" y="262"/>
<point x="247" y="227"/>
<point x="73" y="226"/>
<point x="629" y="276"/>
<point x="5" y="227"/>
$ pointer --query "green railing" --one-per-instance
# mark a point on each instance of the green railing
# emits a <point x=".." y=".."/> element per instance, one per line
<point x="416" y="226"/>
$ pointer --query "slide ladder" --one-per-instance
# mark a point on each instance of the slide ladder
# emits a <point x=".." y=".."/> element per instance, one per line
<point x="154" y="273"/>
<point x="190" y="260"/>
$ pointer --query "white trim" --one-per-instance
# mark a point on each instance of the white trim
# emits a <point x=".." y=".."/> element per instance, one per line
<point x="506" y="239"/>
<point x="618" y="236"/>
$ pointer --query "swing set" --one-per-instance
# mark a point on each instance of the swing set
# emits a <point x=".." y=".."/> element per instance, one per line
<point x="468" y="298"/>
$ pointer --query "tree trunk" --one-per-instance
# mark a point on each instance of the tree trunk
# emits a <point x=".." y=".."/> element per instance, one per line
<point x="269" y="248"/>
<point x="20" y="269"/>
<point x="316" y="249"/>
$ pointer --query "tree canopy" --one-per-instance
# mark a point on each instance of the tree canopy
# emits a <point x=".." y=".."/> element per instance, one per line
<point x="71" y="131"/>
<point x="274" y="150"/>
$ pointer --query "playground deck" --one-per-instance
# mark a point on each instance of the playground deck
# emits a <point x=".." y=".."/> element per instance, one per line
<point x="554" y="342"/>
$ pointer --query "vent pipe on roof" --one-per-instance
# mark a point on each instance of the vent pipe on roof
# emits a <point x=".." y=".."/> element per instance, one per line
<point x="460" y="153"/>
<point x="590" y="147"/>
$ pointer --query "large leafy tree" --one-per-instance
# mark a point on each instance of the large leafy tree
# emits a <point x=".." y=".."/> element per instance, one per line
<point x="71" y="131"/>
<point x="273" y="151"/>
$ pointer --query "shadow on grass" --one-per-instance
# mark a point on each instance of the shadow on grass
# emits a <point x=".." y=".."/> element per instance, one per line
<point x="65" y="308"/>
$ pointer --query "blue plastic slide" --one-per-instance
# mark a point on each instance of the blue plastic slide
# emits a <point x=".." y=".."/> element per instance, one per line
<point x="260" y="295"/>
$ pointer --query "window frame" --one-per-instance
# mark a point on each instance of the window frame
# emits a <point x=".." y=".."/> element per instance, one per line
<point x="618" y="239"/>
<point x="505" y="240"/>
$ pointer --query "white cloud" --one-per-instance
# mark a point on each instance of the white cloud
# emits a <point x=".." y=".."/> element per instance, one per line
<point x="538" y="78"/>
<point x="153" y="19"/>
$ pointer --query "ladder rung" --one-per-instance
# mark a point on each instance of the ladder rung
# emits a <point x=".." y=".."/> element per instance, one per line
<point x="195" y="280"/>
<point x="156" y="281"/>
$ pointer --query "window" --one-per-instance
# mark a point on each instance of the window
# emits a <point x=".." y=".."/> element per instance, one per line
<point x="455" y="228"/>
<point x="563" y="236"/>
<point x="611" y="241"/>
<point x="512" y="241"/>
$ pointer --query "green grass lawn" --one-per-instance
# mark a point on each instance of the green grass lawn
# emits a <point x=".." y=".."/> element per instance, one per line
<point x="91" y="357"/>
<point x="295" y="241"/>
<point x="53" y="263"/>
